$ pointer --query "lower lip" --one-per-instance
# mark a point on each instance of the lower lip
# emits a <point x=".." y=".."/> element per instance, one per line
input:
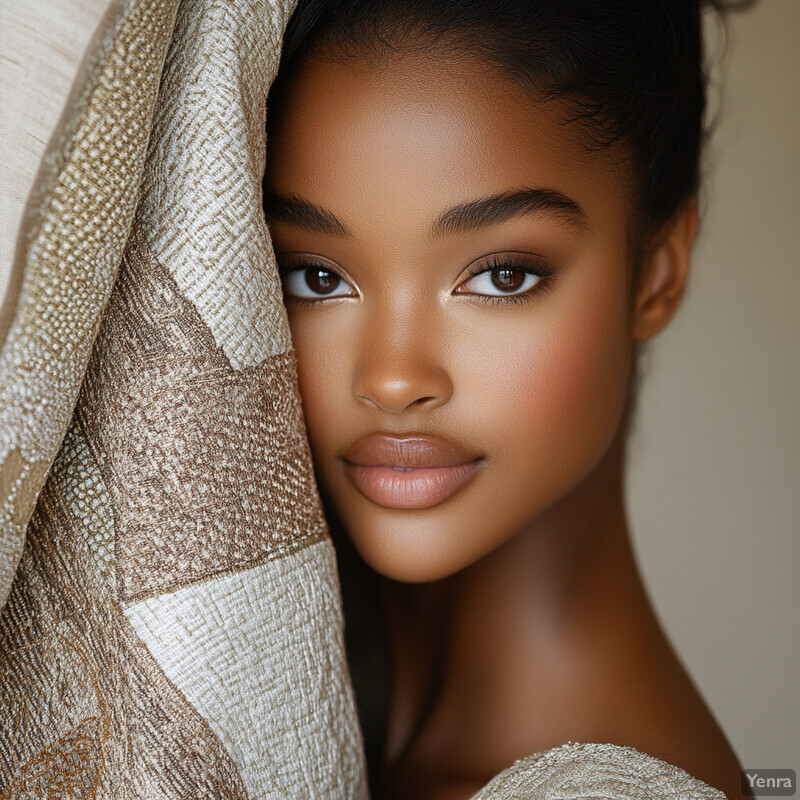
<point x="413" y="488"/>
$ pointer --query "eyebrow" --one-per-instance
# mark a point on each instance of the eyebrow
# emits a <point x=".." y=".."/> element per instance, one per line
<point x="505" y="206"/>
<point x="294" y="210"/>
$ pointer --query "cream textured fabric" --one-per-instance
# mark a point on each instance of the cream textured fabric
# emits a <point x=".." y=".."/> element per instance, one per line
<point x="214" y="241"/>
<point x="234" y="646"/>
<point x="595" y="771"/>
<point x="174" y="625"/>
<point x="71" y="250"/>
<point x="42" y="45"/>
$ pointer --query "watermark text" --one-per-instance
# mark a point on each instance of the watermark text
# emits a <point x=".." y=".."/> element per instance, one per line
<point x="769" y="782"/>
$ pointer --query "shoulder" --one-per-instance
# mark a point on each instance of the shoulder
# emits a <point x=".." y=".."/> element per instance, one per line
<point x="610" y="771"/>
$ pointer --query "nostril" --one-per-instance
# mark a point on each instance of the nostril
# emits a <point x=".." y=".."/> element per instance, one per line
<point x="392" y="404"/>
<point x="386" y="387"/>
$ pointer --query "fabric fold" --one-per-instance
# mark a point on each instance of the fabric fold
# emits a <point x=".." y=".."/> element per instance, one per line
<point x="174" y="624"/>
<point x="74" y="234"/>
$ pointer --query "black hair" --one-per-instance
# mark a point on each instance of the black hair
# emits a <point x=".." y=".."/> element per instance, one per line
<point x="632" y="70"/>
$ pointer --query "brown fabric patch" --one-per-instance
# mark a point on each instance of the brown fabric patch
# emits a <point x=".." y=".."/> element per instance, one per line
<point x="208" y="467"/>
<point x="88" y="713"/>
<point x="11" y="470"/>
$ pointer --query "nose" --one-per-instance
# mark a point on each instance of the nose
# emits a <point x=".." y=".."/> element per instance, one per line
<point x="400" y="366"/>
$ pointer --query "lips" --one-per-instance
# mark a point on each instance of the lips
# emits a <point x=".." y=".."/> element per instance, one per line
<point x="410" y="472"/>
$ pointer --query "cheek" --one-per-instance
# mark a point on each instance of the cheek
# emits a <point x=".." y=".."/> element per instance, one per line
<point x="558" y="394"/>
<point x="587" y="374"/>
<point x="320" y="373"/>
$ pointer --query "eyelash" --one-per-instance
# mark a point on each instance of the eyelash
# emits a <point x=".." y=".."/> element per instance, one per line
<point x="542" y="270"/>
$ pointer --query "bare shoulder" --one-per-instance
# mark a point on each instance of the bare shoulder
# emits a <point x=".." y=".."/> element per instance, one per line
<point x="667" y="718"/>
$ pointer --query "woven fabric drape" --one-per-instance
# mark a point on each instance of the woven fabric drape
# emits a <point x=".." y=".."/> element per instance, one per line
<point x="174" y="627"/>
<point x="171" y="620"/>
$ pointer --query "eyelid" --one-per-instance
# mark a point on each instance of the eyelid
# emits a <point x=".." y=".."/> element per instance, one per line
<point x="295" y="259"/>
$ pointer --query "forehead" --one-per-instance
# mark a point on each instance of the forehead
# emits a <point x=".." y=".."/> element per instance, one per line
<point x="408" y="136"/>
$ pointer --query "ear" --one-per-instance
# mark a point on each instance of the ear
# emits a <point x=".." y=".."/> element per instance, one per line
<point x="664" y="275"/>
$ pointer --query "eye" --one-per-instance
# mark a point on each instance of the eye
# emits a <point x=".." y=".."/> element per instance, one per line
<point x="306" y="279"/>
<point x="501" y="280"/>
<point x="506" y="275"/>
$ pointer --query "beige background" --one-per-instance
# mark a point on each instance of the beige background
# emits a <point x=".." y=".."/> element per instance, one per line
<point x="715" y="481"/>
<point x="714" y="489"/>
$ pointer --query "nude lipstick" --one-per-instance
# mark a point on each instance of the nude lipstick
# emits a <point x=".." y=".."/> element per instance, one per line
<point x="411" y="472"/>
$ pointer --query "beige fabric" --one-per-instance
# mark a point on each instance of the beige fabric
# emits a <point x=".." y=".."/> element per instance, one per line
<point x="87" y="710"/>
<point x="259" y="654"/>
<point x="214" y="241"/>
<point x="42" y="45"/>
<point x="71" y="250"/>
<point x="174" y="625"/>
<point x="236" y="486"/>
<point x="602" y="771"/>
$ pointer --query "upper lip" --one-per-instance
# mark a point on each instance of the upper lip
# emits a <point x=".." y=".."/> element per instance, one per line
<point x="411" y="451"/>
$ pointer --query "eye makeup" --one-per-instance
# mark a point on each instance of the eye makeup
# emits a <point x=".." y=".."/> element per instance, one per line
<point x="309" y="280"/>
<point x="502" y="268"/>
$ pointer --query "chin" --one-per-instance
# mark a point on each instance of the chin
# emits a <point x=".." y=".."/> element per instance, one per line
<point x="409" y="558"/>
<point x="411" y="569"/>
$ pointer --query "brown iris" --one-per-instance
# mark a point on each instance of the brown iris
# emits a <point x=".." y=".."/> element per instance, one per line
<point x="507" y="280"/>
<point x="321" y="281"/>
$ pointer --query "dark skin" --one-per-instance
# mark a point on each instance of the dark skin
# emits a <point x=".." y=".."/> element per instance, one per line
<point x="516" y="614"/>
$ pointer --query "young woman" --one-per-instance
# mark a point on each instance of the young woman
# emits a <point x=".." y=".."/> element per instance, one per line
<point x="481" y="212"/>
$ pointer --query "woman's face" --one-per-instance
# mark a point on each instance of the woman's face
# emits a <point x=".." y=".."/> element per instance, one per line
<point x="454" y="266"/>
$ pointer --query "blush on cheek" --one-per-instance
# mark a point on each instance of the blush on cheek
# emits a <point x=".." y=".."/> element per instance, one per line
<point x="586" y="382"/>
<point x="568" y="394"/>
<point x="312" y="384"/>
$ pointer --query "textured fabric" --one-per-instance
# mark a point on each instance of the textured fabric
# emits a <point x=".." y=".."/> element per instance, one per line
<point x="87" y="710"/>
<point x="43" y="45"/>
<point x="208" y="141"/>
<point x="71" y="252"/>
<point x="234" y="478"/>
<point x="235" y="647"/>
<point x="174" y="625"/>
<point x="602" y="771"/>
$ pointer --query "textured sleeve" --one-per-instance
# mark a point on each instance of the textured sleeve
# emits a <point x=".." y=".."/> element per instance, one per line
<point x="596" y="771"/>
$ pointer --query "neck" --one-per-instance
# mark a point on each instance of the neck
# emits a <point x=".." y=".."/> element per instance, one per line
<point x="531" y="624"/>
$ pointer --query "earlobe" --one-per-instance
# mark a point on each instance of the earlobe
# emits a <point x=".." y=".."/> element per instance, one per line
<point x="665" y="274"/>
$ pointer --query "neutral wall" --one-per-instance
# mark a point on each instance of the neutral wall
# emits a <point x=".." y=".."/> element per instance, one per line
<point x="714" y="488"/>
